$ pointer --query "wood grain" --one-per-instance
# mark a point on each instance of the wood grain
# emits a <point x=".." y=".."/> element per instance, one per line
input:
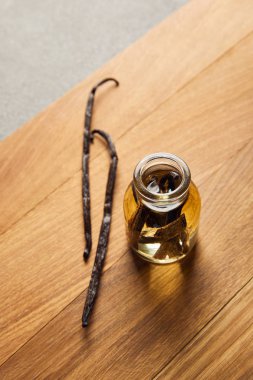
<point x="197" y="105"/>
<point x="146" y="314"/>
<point x="223" y="349"/>
<point x="150" y="71"/>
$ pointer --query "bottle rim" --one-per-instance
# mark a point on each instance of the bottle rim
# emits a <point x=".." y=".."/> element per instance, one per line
<point x="175" y="197"/>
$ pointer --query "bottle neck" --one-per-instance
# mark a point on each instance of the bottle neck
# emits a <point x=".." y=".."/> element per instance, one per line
<point x="161" y="181"/>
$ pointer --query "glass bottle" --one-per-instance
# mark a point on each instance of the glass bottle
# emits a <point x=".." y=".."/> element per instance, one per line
<point x="162" y="209"/>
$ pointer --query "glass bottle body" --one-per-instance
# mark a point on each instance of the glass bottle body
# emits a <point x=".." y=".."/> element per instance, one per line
<point x="162" y="218"/>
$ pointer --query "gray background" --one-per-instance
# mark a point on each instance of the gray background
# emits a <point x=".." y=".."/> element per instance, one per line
<point x="49" y="46"/>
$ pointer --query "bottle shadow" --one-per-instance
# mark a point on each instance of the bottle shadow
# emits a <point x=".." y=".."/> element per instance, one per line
<point x="168" y="285"/>
<point x="170" y="293"/>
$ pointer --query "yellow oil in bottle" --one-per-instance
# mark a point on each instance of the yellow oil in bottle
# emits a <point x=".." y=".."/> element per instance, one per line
<point x="162" y="235"/>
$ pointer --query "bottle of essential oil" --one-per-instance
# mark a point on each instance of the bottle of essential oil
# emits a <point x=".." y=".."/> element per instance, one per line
<point x="162" y="209"/>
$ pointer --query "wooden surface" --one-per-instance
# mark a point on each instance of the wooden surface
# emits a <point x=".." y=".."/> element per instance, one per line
<point x="186" y="88"/>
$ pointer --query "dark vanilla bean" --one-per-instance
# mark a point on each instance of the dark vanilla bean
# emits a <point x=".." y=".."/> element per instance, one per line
<point x="86" y="156"/>
<point x="106" y="222"/>
<point x="138" y="221"/>
<point x="104" y="230"/>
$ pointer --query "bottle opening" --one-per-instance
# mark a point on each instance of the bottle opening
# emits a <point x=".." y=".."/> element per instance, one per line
<point x="162" y="180"/>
